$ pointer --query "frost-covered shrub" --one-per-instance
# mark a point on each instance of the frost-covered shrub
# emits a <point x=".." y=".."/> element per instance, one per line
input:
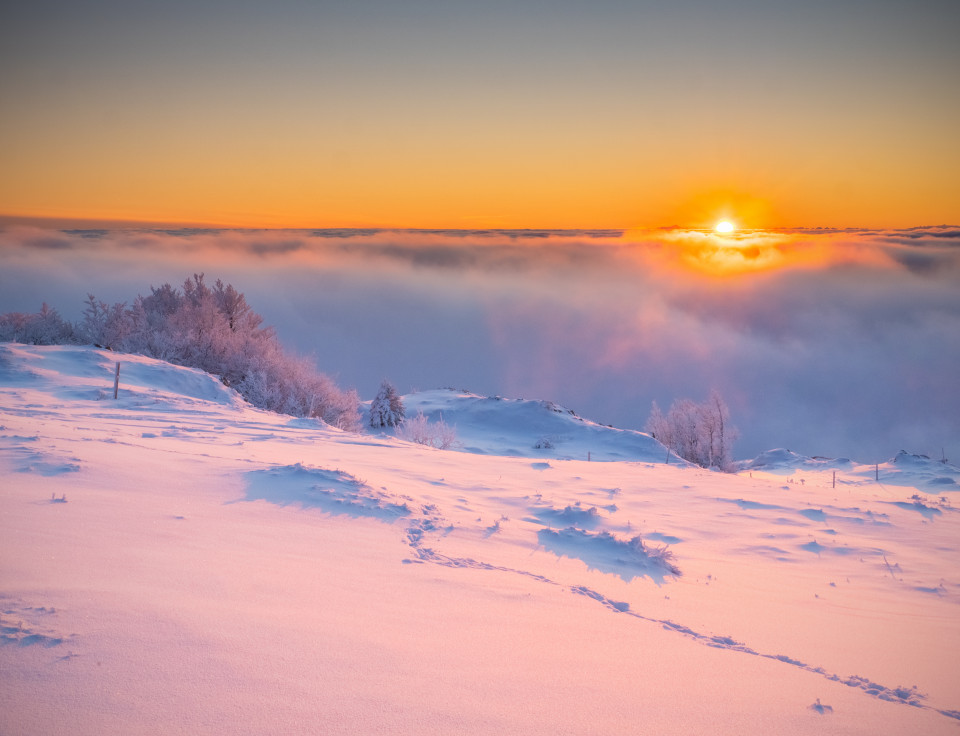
<point x="437" y="434"/>
<point x="386" y="410"/>
<point x="46" y="327"/>
<point x="106" y="326"/>
<point x="700" y="433"/>
<point x="210" y="328"/>
<point x="13" y="326"/>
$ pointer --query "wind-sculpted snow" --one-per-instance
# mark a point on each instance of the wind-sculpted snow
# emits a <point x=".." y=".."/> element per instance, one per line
<point x="27" y="626"/>
<point x="332" y="491"/>
<point x="194" y="551"/>
<point x="899" y="694"/>
<point x="79" y="372"/>
<point x="626" y="558"/>
<point x="571" y="515"/>
<point x="44" y="463"/>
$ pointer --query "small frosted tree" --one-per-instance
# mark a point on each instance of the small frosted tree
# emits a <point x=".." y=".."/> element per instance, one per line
<point x="47" y="327"/>
<point x="700" y="433"/>
<point x="13" y="326"/>
<point x="106" y="326"/>
<point x="387" y="408"/>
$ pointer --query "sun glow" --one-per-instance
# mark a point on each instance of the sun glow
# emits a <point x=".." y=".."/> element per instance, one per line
<point x="724" y="226"/>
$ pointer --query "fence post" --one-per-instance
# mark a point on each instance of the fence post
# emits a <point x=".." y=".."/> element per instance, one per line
<point x="116" y="381"/>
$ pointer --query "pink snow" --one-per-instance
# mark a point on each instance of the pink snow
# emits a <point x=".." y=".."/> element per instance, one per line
<point x="177" y="562"/>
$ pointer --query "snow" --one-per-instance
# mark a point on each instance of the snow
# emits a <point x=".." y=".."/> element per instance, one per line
<point x="535" y="429"/>
<point x="904" y="469"/>
<point x="177" y="562"/>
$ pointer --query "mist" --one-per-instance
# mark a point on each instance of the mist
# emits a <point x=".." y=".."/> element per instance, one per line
<point x="837" y="343"/>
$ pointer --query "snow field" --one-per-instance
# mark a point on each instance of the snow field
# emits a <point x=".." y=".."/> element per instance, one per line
<point x="214" y="568"/>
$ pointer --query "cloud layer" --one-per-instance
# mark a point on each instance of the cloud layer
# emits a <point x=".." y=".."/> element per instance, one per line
<point x="828" y="342"/>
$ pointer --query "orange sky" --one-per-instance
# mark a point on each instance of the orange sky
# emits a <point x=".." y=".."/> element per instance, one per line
<point x="513" y="115"/>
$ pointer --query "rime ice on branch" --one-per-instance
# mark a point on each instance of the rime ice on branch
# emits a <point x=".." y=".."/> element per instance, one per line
<point x="700" y="433"/>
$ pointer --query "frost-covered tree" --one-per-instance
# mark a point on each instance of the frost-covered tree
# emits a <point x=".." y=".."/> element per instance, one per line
<point x="106" y="326"/>
<point x="211" y="328"/>
<point x="46" y="327"/>
<point x="387" y="407"/>
<point x="13" y="326"/>
<point x="700" y="433"/>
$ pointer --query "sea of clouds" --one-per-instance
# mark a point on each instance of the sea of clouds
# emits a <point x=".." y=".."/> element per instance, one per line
<point x="841" y="343"/>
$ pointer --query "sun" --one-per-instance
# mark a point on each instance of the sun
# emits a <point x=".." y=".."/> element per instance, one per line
<point x="724" y="226"/>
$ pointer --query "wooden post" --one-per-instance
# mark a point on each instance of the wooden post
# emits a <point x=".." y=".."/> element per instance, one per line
<point x="877" y="475"/>
<point x="834" y="478"/>
<point x="116" y="381"/>
<point x="588" y="456"/>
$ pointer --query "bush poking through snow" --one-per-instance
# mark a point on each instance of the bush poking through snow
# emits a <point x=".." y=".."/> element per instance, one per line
<point x="437" y="434"/>
<point x="663" y="556"/>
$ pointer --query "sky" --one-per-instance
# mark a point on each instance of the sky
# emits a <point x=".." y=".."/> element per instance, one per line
<point x="832" y="343"/>
<point x="445" y="114"/>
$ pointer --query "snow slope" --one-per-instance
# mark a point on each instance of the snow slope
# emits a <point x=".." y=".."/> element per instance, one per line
<point x="177" y="562"/>
<point x="523" y="428"/>
<point x="905" y="469"/>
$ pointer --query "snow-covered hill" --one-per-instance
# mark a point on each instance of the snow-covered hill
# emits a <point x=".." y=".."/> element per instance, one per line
<point x="537" y="429"/>
<point x="175" y="561"/>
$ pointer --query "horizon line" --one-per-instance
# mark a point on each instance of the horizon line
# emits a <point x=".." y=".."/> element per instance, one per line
<point x="80" y="223"/>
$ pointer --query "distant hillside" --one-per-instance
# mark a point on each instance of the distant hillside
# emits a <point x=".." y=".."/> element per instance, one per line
<point x="905" y="469"/>
<point x="536" y="429"/>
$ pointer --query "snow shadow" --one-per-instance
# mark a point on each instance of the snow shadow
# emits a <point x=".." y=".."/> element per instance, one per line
<point x="753" y="505"/>
<point x="627" y="559"/>
<point x="44" y="463"/>
<point x="926" y="511"/>
<point x="331" y="491"/>
<point x="569" y="516"/>
<point x="23" y="636"/>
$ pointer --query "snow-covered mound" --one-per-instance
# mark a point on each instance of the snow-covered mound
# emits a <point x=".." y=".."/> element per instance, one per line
<point x="534" y="429"/>
<point x="781" y="459"/>
<point x="84" y="372"/>
<point x="905" y="469"/>
<point x="920" y="471"/>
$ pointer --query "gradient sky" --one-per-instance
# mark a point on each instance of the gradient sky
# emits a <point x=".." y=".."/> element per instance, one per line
<point x="481" y="114"/>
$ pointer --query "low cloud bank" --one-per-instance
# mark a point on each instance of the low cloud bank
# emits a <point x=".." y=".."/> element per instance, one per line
<point x="825" y="341"/>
